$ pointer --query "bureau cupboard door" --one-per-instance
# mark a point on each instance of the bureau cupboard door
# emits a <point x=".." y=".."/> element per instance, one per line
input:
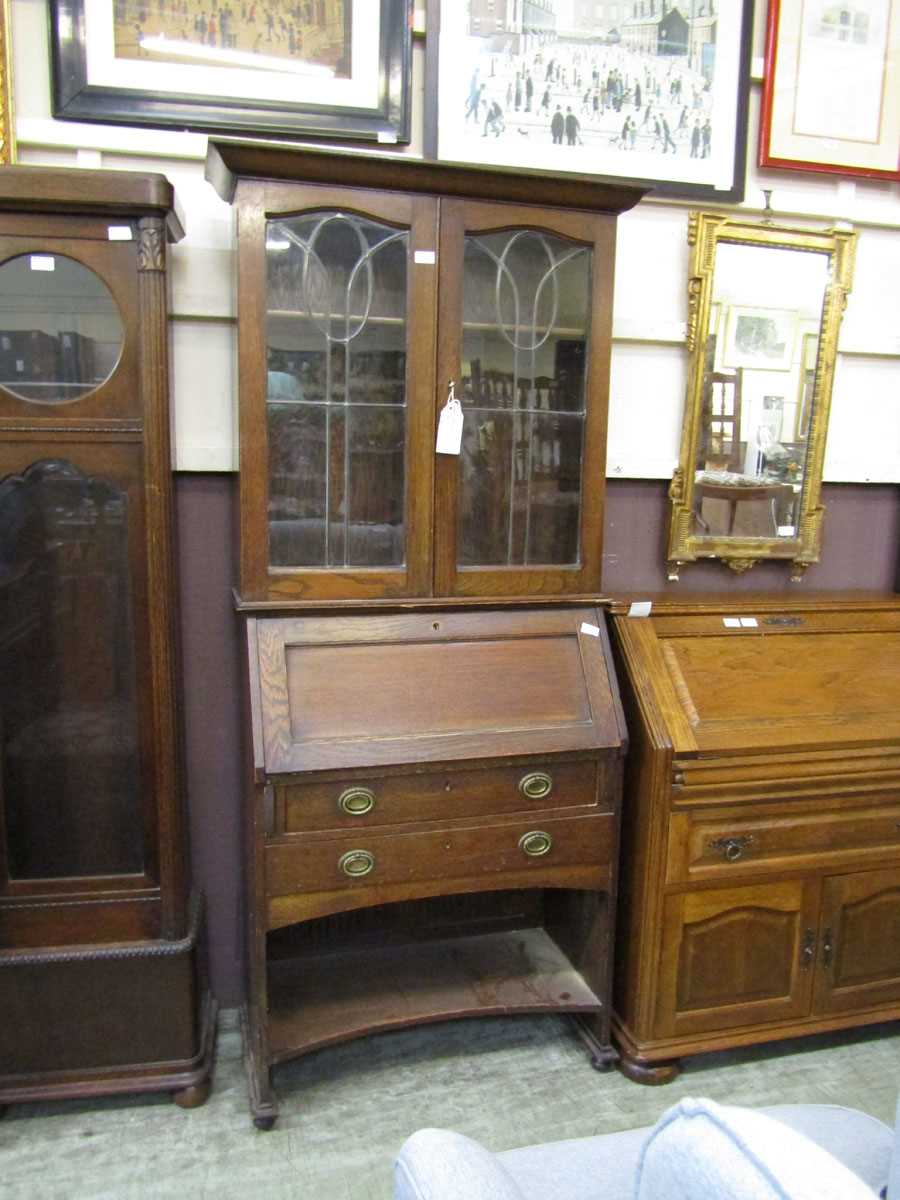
<point x="736" y="956"/>
<point x="525" y="310"/>
<point x="859" y="942"/>
<point x="336" y="347"/>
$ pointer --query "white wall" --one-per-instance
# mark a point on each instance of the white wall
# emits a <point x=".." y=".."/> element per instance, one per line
<point x="649" y="358"/>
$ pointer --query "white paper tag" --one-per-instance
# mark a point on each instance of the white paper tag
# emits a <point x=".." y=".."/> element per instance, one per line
<point x="640" y="608"/>
<point x="43" y="262"/>
<point x="119" y="233"/>
<point x="786" y="530"/>
<point x="731" y="622"/>
<point x="450" y="426"/>
<point x="387" y="137"/>
<point x="591" y="630"/>
<point x="427" y="257"/>
<point x="749" y="623"/>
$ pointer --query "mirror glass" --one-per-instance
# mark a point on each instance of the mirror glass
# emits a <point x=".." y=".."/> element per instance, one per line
<point x="60" y="329"/>
<point x="765" y="303"/>
<point x="758" y="378"/>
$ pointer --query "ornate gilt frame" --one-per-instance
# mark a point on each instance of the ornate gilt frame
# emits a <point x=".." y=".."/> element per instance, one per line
<point x="705" y="231"/>
<point x="7" y="129"/>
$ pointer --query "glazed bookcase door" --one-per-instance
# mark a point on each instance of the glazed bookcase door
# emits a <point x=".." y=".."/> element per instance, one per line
<point x="525" y="309"/>
<point x="337" y="356"/>
<point x="76" y="760"/>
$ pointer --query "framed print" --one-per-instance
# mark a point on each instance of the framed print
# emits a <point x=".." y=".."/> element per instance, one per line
<point x="658" y="99"/>
<point x="831" y="96"/>
<point x="301" y="68"/>
<point x="760" y="338"/>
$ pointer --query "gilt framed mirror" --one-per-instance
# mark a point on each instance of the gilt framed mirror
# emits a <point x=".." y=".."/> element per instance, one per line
<point x="765" y="303"/>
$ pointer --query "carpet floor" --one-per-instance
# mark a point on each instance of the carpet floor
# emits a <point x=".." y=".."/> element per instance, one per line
<point x="346" y="1110"/>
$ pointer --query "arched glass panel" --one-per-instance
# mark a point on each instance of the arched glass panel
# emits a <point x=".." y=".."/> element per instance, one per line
<point x="526" y="313"/>
<point x="336" y="391"/>
<point x="60" y="329"/>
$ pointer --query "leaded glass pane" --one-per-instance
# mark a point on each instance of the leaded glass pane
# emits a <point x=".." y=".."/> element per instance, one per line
<point x="526" y="311"/>
<point x="336" y="391"/>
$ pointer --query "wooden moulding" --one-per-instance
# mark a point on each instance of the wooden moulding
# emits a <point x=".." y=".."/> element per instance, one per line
<point x="231" y="158"/>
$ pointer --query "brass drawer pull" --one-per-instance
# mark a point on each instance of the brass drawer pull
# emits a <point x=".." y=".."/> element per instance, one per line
<point x="536" y="785"/>
<point x="535" y="843"/>
<point x="732" y="847"/>
<point x="356" y="801"/>
<point x="356" y="863"/>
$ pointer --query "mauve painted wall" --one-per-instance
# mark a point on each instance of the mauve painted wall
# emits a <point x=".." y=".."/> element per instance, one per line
<point x="860" y="550"/>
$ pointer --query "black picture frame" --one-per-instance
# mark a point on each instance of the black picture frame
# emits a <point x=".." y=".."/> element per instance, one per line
<point x="387" y="120"/>
<point x="531" y="155"/>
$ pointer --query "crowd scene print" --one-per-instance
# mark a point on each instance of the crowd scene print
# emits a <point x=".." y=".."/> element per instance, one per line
<point x="309" y="32"/>
<point x="627" y="79"/>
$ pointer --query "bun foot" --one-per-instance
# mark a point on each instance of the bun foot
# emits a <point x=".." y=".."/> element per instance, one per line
<point x="192" y="1097"/>
<point x="264" y="1123"/>
<point x="649" y="1074"/>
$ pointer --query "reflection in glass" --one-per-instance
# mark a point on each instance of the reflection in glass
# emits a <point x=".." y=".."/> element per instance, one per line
<point x="756" y="393"/>
<point x="336" y="391"/>
<point x="526" y="307"/>
<point x="69" y="759"/>
<point x="60" y="330"/>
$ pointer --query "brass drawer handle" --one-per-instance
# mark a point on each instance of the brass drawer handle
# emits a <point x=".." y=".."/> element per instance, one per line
<point x="732" y="847"/>
<point x="535" y="843"/>
<point x="356" y="863"/>
<point x="356" y="801"/>
<point x="536" y="785"/>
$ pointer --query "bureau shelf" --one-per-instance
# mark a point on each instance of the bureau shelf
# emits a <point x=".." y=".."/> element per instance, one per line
<point x="320" y="1000"/>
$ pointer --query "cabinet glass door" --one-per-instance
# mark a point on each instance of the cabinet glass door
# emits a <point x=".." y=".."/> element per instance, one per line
<point x="342" y="300"/>
<point x="70" y="754"/>
<point x="525" y="333"/>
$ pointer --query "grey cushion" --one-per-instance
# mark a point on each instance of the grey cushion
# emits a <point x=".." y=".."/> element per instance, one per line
<point x="893" y="1188"/>
<point x="699" y="1149"/>
<point x="435" y="1164"/>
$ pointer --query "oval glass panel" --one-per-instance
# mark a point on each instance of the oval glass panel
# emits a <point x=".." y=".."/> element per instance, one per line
<point x="60" y="329"/>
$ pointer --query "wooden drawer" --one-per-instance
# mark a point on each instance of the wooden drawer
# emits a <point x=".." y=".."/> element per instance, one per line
<point x="435" y="796"/>
<point x="318" y="864"/>
<point x="716" y="845"/>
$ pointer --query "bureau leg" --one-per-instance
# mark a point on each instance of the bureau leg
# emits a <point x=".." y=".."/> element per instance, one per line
<point x="603" y="1053"/>
<point x="263" y="1105"/>
<point x="650" y="1074"/>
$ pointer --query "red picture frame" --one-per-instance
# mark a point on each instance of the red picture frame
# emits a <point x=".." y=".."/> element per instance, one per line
<point x="824" y="79"/>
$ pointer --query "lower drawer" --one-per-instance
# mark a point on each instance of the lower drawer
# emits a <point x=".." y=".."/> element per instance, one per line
<point x="354" y="860"/>
<point x="704" y="845"/>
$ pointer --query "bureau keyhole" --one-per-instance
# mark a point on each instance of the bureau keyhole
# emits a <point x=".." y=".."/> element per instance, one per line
<point x="435" y="625"/>
<point x="448" y="786"/>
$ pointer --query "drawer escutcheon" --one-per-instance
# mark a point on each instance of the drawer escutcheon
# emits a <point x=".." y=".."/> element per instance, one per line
<point x="535" y="843"/>
<point x="356" y="863"/>
<point x="536" y="785"/>
<point x="356" y="801"/>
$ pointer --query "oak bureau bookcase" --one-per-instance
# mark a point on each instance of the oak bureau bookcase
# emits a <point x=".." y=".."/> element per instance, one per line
<point x="102" y="986"/>
<point x="435" y="731"/>
<point x="760" y="890"/>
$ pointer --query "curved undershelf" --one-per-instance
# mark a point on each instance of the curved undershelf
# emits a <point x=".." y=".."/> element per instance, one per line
<point x="320" y="1000"/>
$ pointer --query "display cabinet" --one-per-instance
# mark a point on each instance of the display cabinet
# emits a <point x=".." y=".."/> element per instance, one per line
<point x="760" y="889"/>
<point x="102" y="981"/>
<point x="432" y="822"/>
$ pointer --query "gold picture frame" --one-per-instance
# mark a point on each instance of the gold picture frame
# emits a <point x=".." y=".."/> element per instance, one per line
<point x="781" y="472"/>
<point x="7" y="128"/>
